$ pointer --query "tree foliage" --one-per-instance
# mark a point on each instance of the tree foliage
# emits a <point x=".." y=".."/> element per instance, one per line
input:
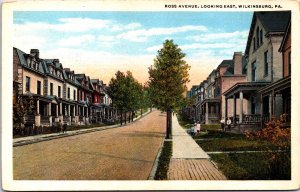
<point x="168" y="77"/>
<point x="125" y="91"/>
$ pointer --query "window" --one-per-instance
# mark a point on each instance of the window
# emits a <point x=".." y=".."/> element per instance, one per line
<point x="261" y="36"/>
<point x="254" y="44"/>
<point x="266" y="66"/>
<point x="59" y="91"/>
<point x="74" y="94"/>
<point x="257" y="37"/>
<point x="51" y="89"/>
<point x="27" y="84"/>
<point x="254" y="71"/>
<point x="68" y="92"/>
<point x="38" y="91"/>
<point x="289" y="62"/>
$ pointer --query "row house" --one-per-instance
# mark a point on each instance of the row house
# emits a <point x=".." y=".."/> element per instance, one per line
<point x="59" y="94"/>
<point x="190" y="110"/>
<point x="212" y="102"/>
<point x="263" y="94"/>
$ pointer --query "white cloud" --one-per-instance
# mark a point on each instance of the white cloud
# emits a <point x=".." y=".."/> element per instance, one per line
<point x="154" y="48"/>
<point x="207" y="46"/>
<point x="76" y="40"/>
<point x="142" y="35"/>
<point x="217" y="36"/>
<point x="130" y="26"/>
<point x="107" y="40"/>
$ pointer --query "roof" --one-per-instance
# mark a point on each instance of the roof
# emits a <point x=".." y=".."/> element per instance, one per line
<point x="272" y="21"/>
<point x="22" y="58"/>
<point x="226" y="63"/>
<point x="287" y="31"/>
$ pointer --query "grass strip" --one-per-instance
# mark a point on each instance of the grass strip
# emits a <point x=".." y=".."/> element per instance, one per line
<point x="164" y="161"/>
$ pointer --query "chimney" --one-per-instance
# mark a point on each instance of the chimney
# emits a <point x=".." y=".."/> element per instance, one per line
<point x="35" y="52"/>
<point x="238" y="63"/>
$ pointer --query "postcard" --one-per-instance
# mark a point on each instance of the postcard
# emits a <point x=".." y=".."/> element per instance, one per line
<point x="150" y="95"/>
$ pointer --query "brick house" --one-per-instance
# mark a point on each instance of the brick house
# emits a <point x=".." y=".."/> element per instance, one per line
<point x="85" y="91"/>
<point x="264" y="66"/>
<point x="97" y="104"/>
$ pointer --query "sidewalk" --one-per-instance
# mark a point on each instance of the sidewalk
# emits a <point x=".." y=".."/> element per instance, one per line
<point x="189" y="161"/>
<point x="45" y="137"/>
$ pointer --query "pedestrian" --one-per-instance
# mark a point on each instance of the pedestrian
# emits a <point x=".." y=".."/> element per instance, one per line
<point x="228" y="122"/>
<point x="198" y="127"/>
<point x="222" y="124"/>
<point x="195" y="129"/>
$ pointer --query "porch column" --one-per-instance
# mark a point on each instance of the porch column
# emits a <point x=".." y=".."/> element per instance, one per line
<point x="69" y="110"/>
<point x="241" y="107"/>
<point x="218" y="110"/>
<point x="234" y="109"/>
<point x="226" y="106"/>
<point x="38" y="107"/>
<point x="56" y="110"/>
<point x="49" y="109"/>
<point x="206" y="114"/>
<point x="273" y="104"/>
<point x="60" y="108"/>
<point x="261" y="111"/>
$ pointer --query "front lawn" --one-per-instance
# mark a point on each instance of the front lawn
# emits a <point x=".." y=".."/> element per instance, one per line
<point x="251" y="166"/>
<point x="243" y="166"/>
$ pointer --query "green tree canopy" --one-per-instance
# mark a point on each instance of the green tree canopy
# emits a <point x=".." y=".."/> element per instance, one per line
<point x="125" y="91"/>
<point x="168" y="77"/>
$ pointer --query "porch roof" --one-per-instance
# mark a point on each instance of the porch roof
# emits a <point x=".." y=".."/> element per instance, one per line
<point x="245" y="87"/>
<point x="37" y="96"/>
<point x="211" y="100"/>
<point x="276" y="86"/>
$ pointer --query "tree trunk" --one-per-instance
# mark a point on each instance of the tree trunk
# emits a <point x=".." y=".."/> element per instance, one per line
<point x="125" y="117"/>
<point x="121" y="116"/>
<point x="169" y="124"/>
<point x="132" y="116"/>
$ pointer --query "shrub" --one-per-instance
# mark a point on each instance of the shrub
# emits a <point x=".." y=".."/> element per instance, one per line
<point x="280" y="162"/>
<point x="210" y="126"/>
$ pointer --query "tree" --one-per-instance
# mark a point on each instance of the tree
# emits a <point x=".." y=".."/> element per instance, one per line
<point x="125" y="92"/>
<point x="22" y="108"/>
<point x="168" y="77"/>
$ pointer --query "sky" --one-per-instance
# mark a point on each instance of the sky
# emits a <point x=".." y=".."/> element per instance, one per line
<point x="100" y="43"/>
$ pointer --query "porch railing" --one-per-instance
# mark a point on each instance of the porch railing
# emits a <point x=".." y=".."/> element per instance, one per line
<point x="213" y="115"/>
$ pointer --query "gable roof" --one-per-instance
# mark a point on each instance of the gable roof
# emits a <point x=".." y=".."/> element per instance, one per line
<point x="272" y="21"/>
<point x="22" y="58"/>
<point x="287" y="31"/>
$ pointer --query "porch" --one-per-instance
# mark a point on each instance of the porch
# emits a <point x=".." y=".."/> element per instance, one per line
<point x="250" y="118"/>
<point x="210" y="110"/>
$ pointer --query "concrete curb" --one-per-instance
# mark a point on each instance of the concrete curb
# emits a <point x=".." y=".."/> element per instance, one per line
<point x="155" y="164"/>
<point x="70" y="133"/>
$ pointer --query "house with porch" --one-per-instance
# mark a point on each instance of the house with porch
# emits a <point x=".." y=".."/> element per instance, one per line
<point x="264" y="66"/>
<point x="29" y="75"/>
<point x="69" y="101"/>
<point x="210" y="105"/>
<point x="85" y="91"/>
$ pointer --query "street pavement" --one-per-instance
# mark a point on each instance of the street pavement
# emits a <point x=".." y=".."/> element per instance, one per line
<point x="124" y="153"/>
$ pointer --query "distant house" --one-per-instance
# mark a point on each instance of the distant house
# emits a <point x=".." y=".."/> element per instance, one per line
<point x="85" y="91"/>
<point x="264" y="66"/>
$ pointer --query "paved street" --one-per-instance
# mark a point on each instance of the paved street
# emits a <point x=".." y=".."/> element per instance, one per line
<point x="114" y="154"/>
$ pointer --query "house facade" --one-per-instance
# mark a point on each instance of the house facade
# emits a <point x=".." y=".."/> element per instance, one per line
<point x="59" y="95"/>
<point x="264" y="67"/>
